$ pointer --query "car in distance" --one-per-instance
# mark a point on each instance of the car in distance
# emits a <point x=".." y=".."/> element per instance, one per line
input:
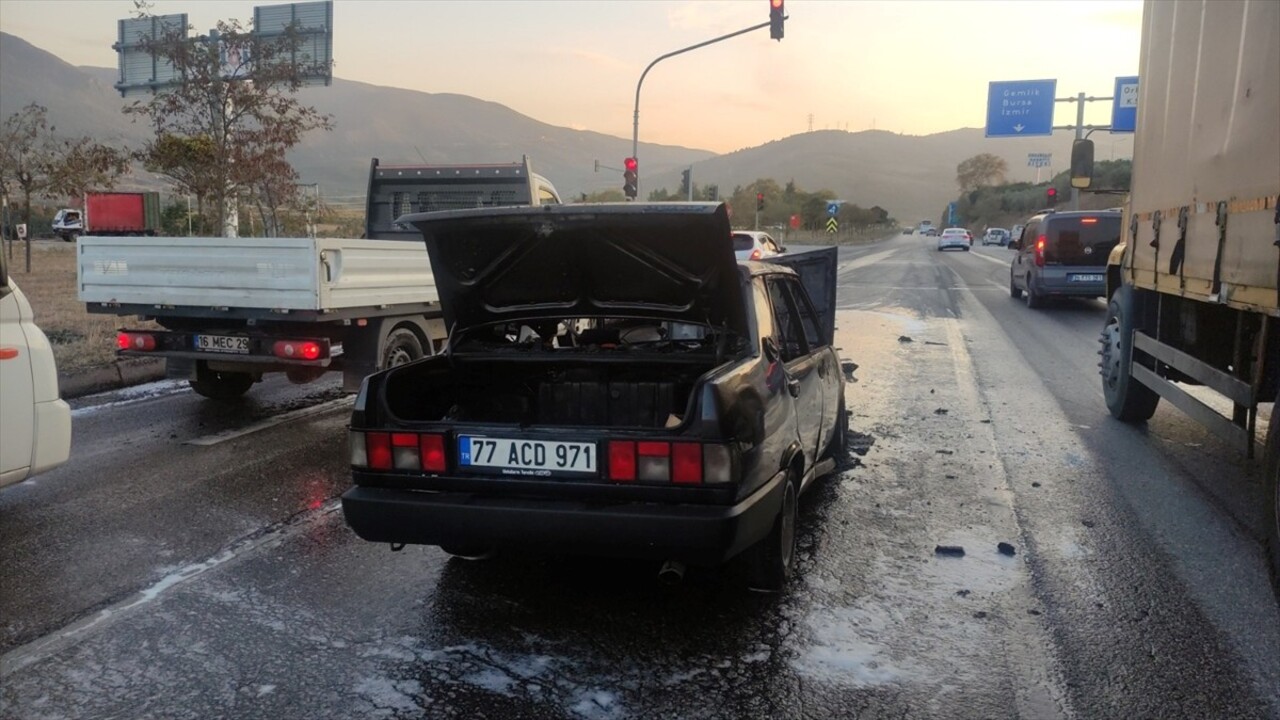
<point x="1063" y="254"/>
<point x="995" y="236"/>
<point x="35" y="423"/>
<point x="954" y="238"/>
<point x="755" y="245"/>
<point x="1015" y="232"/>
<point x="654" y="398"/>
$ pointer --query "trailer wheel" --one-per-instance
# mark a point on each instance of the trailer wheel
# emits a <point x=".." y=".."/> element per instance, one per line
<point x="1273" y="502"/>
<point x="221" y="385"/>
<point x="402" y="346"/>
<point x="1127" y="399"/>
<point x="771" y="560"/>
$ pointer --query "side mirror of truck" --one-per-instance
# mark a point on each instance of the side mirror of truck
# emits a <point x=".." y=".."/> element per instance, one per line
<point x="1082" y="164"/>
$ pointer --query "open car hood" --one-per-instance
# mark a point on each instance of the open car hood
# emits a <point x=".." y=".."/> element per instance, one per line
<point x="670" y="261"/>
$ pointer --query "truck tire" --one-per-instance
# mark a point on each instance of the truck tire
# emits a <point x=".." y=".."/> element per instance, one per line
<point x="1127" y="399"/>
<point x="1271" y="512"/>
<point x="402" y="346"/>
<point x="771" y="560"/>
<point x="222" y="385"/>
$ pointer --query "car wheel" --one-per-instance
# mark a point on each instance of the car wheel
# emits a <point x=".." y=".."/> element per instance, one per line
<point x="1126" y="398"/>
<point x="1015" y="292"/>
<point x="771" y="560"/>
<point x="469" y="552"/>
<point x="402" y="347"/>
<point x="1034" y="299"/>
<point x="221" y="386"/>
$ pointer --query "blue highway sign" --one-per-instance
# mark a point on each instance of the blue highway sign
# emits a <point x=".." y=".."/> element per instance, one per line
<point x="1019" y="108"/>
<point x="1124" y="105"/>
<point x="833" y="209"/>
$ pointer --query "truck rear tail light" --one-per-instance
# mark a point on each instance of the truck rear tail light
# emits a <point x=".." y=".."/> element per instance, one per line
<point x="378" y="446"/>
<point x="653" y="463"/>
<point x="297" y="350"/>
<point x="622" y="460"/>
<point x="433" y="453"/>
<point x="136" y="341"/>
<point x="1040" y="243"/>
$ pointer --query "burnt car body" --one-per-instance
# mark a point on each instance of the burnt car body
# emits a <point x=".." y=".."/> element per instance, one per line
<point x="615" y="384"/>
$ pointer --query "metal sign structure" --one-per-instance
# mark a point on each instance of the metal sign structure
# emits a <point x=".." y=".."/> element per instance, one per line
<point x="1124" y="105"/>
<point x="142" y="71"/>
<point x="1039" y="160"/>
<point x="1020" y="108"/>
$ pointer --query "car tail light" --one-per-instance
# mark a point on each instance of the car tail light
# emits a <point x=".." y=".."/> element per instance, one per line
<point x="136" y="341"/>
<point x="1088" y="221"/>
<point x="297" y="350"/>
<point x="686" y="463"/>
<point x="433" y="453"/>
<point x="653" y="461"/>
<point x="622" y="460"/>
<point x="378" y="447"/>
<point x="397" y="451"/>
<point x="1040" y="243"/>
<point x="755" y="254"/>
<point x="680" y="463"/>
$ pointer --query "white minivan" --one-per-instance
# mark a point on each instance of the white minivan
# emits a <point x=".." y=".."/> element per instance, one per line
<point x="35" y="424"/>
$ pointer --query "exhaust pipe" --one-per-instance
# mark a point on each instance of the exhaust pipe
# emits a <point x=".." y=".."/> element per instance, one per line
<point x="671" y="573"/>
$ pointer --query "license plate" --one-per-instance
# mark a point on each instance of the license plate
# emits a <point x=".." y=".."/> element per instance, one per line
<point x="531" y="458"/>
<point x="1084" y="278"/>
<point x="222" y="343"/>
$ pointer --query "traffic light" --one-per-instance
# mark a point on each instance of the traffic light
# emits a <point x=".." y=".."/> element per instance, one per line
<point x="759" y="201"/>
<point x="630" y="180"/>
<point x="776" y="16"/>
<point x="1051" y="197"/>
<point x="685" y="188"/>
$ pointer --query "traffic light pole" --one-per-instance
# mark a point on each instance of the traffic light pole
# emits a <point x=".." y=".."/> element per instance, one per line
<point x="635" y="123"/>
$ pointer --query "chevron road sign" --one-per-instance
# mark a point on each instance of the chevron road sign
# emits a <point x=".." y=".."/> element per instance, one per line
<point x="832" y="226"/>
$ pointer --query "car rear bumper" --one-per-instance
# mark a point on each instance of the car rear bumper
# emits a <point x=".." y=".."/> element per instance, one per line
<point x="693" y="533"/>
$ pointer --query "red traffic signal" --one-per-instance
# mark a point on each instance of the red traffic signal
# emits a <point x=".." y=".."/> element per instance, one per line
<point x="759" y="201"/>
<point x="776" y="16"/>
<point x="630" y="179"/>
<point x="1051" y="196"/>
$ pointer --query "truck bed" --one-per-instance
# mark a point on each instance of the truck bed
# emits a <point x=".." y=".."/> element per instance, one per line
<point x="1209" y="151"/>
<point x="293" y="274"/>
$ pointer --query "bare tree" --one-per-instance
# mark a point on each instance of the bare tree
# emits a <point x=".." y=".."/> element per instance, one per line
<point x="981" y="170"/>
<point x="225" y="130"/>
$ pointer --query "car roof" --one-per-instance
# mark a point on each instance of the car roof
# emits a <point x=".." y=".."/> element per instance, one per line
<point x="757" y="234"/>
<point x="1071" y="214"/>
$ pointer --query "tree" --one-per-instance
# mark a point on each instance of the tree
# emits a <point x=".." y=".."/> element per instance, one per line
<point x="981" y="170"/>
<point x="226" y="129"/>
<point x="22" y="154"/>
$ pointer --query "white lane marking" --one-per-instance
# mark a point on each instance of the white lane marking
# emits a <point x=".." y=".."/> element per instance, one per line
<point x="57" y="641"/>
<point x="1005" y="262"/>
<point x="132" y="396"/>
<point x="847" y="267"/>
<point x="226" y="435"/>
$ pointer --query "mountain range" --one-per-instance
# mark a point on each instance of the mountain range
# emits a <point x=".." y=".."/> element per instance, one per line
<point x="911" y="176"/>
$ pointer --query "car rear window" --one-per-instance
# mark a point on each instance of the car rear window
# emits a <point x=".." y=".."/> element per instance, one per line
<point x="1085" y="240"/>
<point x="742" y="242"/>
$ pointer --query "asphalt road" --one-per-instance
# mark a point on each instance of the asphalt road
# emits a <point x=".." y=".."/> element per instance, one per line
<point x="190" y="559"/>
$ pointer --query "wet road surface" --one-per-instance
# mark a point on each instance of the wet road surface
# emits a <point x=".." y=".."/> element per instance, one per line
<point x="190" y="560"/>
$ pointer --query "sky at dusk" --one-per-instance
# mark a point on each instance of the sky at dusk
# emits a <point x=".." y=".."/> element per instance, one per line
<point x="908" y="66"/>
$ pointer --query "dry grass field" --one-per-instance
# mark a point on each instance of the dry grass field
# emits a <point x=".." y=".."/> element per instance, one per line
<point x="79" y="339"/>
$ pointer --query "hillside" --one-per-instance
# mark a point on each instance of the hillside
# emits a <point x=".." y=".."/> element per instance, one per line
<point x="912" y="177"/>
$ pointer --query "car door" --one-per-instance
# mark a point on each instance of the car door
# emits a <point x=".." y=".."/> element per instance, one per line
<point x="17" y="398"/>
<point x="804" y="366"/>
<point x="1025" y="258"/>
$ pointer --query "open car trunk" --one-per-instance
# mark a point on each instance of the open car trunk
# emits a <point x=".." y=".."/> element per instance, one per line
<point x="647" y="393"/>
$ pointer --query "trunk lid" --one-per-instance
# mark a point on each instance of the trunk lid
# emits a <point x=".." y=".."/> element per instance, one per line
<point x="671" y="261"/>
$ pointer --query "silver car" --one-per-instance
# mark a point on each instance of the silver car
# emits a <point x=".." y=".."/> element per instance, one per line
<point x="955" y="238"/>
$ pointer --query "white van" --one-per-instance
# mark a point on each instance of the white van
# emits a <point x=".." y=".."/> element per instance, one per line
<point x="35" y="424"/>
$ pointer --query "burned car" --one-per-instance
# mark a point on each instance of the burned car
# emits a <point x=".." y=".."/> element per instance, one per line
<point x="615" y="384"/>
